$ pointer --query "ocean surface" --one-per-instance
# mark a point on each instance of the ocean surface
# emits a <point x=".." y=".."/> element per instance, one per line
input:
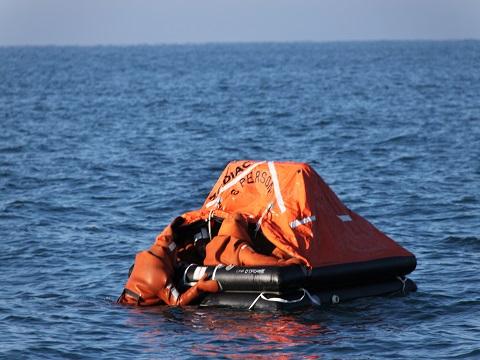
<point x="101" y="147"/>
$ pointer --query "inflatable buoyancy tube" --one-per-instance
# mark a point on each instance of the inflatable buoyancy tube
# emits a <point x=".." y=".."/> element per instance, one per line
<point x="301" y="298"/>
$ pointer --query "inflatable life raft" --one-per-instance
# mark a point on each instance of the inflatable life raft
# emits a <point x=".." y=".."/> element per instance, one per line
<point x="292" y="213"/>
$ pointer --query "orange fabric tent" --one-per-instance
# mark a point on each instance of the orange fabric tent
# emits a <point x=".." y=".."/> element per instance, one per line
<point x="298" y="212"/>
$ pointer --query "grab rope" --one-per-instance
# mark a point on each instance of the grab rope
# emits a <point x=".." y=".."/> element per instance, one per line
<point x="210" y="214"/>
<point x="314" y="299"/>
<point x="259" y="222"/>
<point x="404" y="283"/>
<point x="210" y="224"/>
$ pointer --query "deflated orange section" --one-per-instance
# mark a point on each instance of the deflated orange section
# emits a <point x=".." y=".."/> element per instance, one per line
<point x="152" y="279"/>
<point x="233" y="246"/>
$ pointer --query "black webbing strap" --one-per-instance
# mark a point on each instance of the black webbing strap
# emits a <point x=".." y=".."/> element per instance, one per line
<point x="151" y="253"/>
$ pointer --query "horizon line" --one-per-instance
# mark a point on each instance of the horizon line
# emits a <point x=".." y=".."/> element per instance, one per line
<point x="238" y="42"/>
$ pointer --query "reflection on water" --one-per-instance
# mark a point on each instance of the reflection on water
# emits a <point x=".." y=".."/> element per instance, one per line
<point x="234" y="334"/>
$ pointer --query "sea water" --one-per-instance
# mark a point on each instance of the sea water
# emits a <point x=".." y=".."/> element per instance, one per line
<point x="101" y="147"/>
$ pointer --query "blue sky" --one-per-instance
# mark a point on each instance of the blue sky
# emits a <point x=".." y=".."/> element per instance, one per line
<point x="90" y="22"/>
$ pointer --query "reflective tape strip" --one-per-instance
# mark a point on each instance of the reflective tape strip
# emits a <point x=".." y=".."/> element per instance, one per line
<point x="173" y="291"/>
<point x="276" y="187"/>
<point x="214" y="201"/>
<point x="198" y="236"/>
<point x="215" y="270"/>
<point x="185" y="273"/>
<point x="203" y="234"/>
<point x="244" y="246"/>
<point x="199" y="272"/>
<point x="234" y="181"/>
<point x="303" y="221"/>
<point x="259" y="222"/>
<point x="345" y="218"/>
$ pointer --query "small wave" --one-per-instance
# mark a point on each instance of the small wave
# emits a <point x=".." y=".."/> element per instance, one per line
<point x="467" y="199"/>
<point x="12" y="149"/>
<point x="426" y="86"/>
<point x="473" y="354"/>
<point x="465" y="241"/>
<point x="321" y="122"/>
<point x="157" y="103"/>
<point x="20" y="203"/>
<point x="281" y="114"/>
<point x="254" y="113"/>
<point x="399" y="139"/>
<point x="407" y="158"/>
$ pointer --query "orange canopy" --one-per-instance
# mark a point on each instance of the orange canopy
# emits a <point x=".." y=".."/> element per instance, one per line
<point x="298" y="212"/>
